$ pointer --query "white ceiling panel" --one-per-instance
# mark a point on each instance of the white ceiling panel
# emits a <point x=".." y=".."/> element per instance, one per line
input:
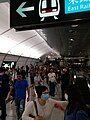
<point x="23" y="43"/>
<point x="19" y="36"/>
<point x="4" y="17"/>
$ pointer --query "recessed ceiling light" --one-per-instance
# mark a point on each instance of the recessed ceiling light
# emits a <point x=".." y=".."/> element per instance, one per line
<point x="74" y="25"/>
<point x="72" y="31"/>
<point x="71" y="39"/>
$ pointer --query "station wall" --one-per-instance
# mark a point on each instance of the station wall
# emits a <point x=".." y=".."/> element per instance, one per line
<point x="20" y="60"/>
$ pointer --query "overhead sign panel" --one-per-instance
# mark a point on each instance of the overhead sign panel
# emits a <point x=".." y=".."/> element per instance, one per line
<point x="32" y="14"/>
<point x="74" y="6"/>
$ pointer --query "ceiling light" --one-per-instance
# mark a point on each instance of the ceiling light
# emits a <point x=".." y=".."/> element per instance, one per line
<point x="71" y="31"/>
<point x="71" y="39"/>
<point x="74" y="25"/>
<point x="89" y="85"/>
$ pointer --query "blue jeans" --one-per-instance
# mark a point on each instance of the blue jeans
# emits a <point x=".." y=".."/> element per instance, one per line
<point x="20" y="106"/>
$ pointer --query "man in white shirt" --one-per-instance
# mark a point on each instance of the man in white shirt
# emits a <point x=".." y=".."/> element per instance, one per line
<point x="37" y="79"/>
<point x="52" y="81"/>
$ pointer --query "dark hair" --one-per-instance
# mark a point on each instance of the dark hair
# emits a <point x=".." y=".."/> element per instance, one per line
<point x="75" y="96"/>
<point x="40" y="89"/>
<point x="1" y="69"/>
<point x="19" y="73"/>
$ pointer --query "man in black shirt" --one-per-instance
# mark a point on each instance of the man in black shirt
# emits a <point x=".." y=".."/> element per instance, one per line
<point x="65" y="78"/>
<point x="4" y="88"/>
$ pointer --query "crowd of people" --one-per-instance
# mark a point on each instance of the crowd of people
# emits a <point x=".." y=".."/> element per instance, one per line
<point x="43" y="79"/>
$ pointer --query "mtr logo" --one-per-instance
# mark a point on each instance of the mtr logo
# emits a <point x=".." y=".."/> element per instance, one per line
<point x="49" y="8"/>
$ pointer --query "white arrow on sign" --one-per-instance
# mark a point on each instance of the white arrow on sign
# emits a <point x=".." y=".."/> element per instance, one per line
<point x="20" y="9"/>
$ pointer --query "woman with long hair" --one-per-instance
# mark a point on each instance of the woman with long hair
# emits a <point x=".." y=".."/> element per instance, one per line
<point x="76" y="108"/>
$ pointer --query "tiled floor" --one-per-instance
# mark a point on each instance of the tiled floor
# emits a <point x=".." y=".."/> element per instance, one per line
<point x="11" y="113"/>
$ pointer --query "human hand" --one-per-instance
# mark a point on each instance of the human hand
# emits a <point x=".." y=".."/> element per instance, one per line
<point x="28" y="99"/>
<point x="33" y="93"/>
<point x="57" y="105"/>
<point x="38" y="118"/>
<point x="8" y="96"/>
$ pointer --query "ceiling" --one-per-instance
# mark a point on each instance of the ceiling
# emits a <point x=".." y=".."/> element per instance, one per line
<point x="70" y="40"/>
<point x="24" y="43"/>
<point x="67" y="40"/>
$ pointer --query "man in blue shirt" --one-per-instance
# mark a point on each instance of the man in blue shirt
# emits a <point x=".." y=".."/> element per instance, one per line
<point x="20" y="86"/>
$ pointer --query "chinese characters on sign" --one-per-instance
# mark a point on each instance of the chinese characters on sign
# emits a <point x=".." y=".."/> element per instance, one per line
<point x="73" y="1"/>
<point x="73" y="6"/>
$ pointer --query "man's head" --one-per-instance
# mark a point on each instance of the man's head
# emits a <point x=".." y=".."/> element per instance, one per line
<point x="37" y="74"/>
<point x="64" y="70"/>
<point x="41" y="90"/>
<point x="19" y="76"/>
<point x="51" y="70"/>
<point x="1" y="70"/>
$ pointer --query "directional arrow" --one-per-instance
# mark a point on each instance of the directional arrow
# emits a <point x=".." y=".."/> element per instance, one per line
<point x="20" y="9"/>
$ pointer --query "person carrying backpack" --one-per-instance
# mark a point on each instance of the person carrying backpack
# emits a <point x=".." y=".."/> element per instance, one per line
<point x="76" y="108"/>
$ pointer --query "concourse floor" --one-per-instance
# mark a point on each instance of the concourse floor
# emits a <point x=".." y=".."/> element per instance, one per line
<point x="11" y="113"/>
